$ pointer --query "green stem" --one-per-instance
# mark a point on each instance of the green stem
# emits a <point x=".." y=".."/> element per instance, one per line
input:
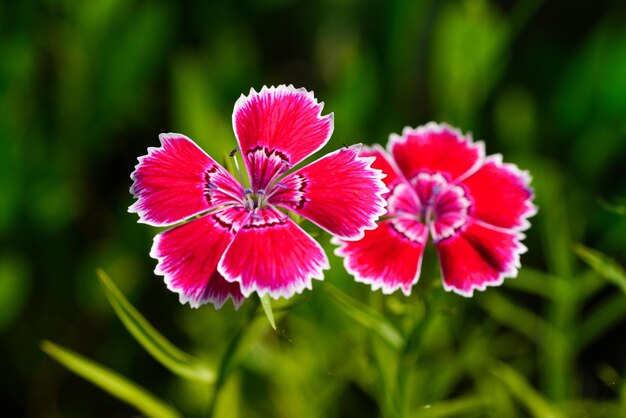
<point x="406" y="360"/>
<point x="407" y="357"/>
<point x="229" y="355"/>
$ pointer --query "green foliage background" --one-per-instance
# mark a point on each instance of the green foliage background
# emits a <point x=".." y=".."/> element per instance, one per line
<point x="85" y="88"/>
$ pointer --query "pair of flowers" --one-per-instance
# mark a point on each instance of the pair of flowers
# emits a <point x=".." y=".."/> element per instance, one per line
<point x="230" y="238"/>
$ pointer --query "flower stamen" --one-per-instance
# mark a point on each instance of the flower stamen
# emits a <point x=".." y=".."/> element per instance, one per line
<point x="285" y="167"/>
<point x="233" y="154"/>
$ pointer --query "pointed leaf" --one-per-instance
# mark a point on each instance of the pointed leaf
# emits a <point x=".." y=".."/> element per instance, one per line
<point x="151" y="340"/>
<point x="366" y="316"/>
<point x="267" y="308"/>
<point x="110" y="381"/>
<point x="603" y="265"/>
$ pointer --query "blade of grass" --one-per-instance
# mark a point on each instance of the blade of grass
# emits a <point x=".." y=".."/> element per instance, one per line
<point x="603" y="265"/>
<point x="454" y="407"/>
<point x="591" y="283"/>
<point x="519" y="387"/>
<point x="609" y="313"/>
<point x="110" y="381"/>
<point x="227" y="362"/>
<point x="617" y="208"/>
<point x="520" y="319"/>
<point x="366" y="316"/>
<point x="151" y="340"/>
<point x="533" y="282"/>
<point x="557" y="232"/>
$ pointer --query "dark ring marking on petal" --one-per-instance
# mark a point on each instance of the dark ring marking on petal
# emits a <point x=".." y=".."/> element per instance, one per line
<point x="267" y="224"/>
<point x="268" y="152"/>
<point x="284" y="159"/>
<point x="210" y="186"/>
<point x="302" y="183"/>
<point x="222" y="222"/>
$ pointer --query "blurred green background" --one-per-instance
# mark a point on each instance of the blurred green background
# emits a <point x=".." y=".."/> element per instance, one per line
<point x="86" y="87"/>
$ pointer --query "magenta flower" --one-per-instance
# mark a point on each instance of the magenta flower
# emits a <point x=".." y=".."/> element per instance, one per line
<point x="237" y="238"/>
<point x="441" y="184"/>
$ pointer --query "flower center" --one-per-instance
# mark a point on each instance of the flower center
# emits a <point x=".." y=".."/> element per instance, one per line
<point x="442" y="206"/>
<point x="258" y="200"/>
<point x="265" y="169"/>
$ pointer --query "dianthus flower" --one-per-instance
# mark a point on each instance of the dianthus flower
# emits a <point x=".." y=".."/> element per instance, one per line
<point x="441" y="184"/>
<point x="231" y="238"/>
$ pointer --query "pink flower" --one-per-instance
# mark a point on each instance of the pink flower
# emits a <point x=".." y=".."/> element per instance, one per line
<point x="441" y="184"/>
<point x="237" y="238"/>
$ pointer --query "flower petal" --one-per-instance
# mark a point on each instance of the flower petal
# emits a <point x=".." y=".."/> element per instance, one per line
<point x="340" y="192"/>
<point x="187" y="257"/>
<point x="403" y="200"/>
<point x="478" y="257"/>
<point x="281" y="119"/>
<point x="451" y="206"/>
<point x="272" y="255"/>
<point x="368" y="259"/>
<point x="178" y="180"/>
<point x="502" y="194"/>
<point x="435" y="148"/>
<point x="384" y="163"/>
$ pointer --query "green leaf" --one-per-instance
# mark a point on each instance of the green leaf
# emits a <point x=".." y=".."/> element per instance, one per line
<point x="606" y="315"/>
<point x="603" y="265"/>
<point x="523" y="391"/>
<point x="517" y="317"/>
<point x="454" y="407"/>
<point x="618" y="208"/>
<point x="366" y="316"/>
<point x="267" y="308"/>
<point x="110" y="381"/>
<point x="534" y="282"/>
<point x="150" y="339"/>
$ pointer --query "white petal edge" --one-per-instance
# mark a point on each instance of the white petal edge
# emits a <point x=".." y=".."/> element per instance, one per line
<point x="438" y="127"/>
<point x="288" y="292"/>
<point x="134" y="208"/>
<point x="511" y="273"/>
<point x="194" y="303"/>
<point x="243" y="99"/>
